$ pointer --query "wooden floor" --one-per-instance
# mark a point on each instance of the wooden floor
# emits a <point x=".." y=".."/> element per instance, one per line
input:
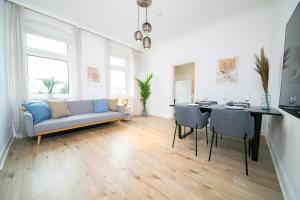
<point x="134" y="160"/>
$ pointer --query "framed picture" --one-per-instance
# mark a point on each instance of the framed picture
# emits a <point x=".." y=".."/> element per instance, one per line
<point x="93" y="74"/>
<point x="227" y="71"/>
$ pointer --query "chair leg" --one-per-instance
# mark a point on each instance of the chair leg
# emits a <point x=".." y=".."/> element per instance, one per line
<point x="249" y="148"/>
<point x="221" y="136"/>
<point x="174" y="136"/>
<point x="216" y="140"/>
<point x="246" y="159"/>
<point x="212" y="140"/>
<point x="196" y="141"/>
<point x="206" y="135"/>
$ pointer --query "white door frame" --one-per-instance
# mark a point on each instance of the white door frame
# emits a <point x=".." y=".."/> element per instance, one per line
<point x="195" y="61"/>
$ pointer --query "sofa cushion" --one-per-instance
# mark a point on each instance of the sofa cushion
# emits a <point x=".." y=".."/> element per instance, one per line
<point x="80" y="107"/>
<point x="58" y="108"/>
<point x="112" y="104"/>
<point x="100" y="106"/>
<point x="40" y="111"/>
<point x="75" y="120"/>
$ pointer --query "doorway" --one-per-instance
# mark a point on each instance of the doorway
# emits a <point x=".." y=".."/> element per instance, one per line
<point x="184" y="83"/>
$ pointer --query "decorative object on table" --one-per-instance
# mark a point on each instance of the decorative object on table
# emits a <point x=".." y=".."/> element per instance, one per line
<point x="147" y="27"/>
<point x="227" y="70"/>
<point x="127" y="114"/>
<point x="292" y="100"/>
<point x="50" y="84"/>
<point x="262" y="68"/>
<point x="234" y="107"/>
<point x="125" y="102"/>
<point x="92" y="75"/>
<point x="206" y="103"/>
<point x="192" y="104"/>
<point x="238" y="104"/>
<point x="144" y="92"/>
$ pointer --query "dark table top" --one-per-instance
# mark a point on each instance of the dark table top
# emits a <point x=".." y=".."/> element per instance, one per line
<point x="252" y="109"/>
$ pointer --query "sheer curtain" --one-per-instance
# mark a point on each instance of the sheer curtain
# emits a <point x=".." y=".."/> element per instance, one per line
<point x="134" y="100"/>
<point x="77" y="63"/>
<point x="132" y="58"/>
<point x="16" y="67"/>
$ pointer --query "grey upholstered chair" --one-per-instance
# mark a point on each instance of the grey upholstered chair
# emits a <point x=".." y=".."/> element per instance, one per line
<point x="234" y="123"/>
<point x="192" y="117"/>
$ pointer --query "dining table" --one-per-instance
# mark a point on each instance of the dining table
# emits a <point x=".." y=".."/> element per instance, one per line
<point x="255" y="111"/>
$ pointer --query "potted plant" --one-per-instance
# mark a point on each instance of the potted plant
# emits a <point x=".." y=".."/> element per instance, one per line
<point x="262" y="68"/>
<point x="144" y="92"/>
<point x="49" y="84"/>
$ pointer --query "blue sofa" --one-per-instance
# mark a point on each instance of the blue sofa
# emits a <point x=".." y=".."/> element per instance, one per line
<point x="81" y="115"/>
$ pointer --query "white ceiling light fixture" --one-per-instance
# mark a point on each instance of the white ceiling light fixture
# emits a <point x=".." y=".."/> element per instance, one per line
<point x="147" y="27"/>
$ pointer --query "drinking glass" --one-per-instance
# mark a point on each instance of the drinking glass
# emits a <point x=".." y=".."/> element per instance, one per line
<point x="292" y="100"/>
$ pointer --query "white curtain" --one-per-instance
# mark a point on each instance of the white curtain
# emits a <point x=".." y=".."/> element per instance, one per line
<point x="16" y="68"/>
<point x="77" y="63"/>
<point x="134" y="100"/>
<point x="107" y="69"/>
<point x="133" y="58"/>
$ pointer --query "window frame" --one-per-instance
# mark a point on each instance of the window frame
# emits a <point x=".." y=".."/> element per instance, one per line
<point x="119" y="68"/>
<point x="53" y="56"/>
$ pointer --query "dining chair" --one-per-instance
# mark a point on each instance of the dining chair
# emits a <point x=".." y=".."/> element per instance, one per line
<point x="234" y="123"/>
<point x="192" y="117"/>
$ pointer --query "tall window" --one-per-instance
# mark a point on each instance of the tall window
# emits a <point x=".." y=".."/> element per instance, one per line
<point x="48" y="63"/>
<point x="118" y="83"/>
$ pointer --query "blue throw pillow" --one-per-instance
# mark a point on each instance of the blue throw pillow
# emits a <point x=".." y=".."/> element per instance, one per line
<point x="40" y="111"/>
<point x="100" y="106"/>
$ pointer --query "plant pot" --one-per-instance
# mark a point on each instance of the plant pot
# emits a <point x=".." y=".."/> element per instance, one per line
<point x="265" y="101"/>
<point x="49" y="95"/>
<point x="144" y="113"/>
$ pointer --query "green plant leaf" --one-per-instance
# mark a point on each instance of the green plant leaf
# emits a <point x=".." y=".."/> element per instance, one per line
<point x="144" y="89"/>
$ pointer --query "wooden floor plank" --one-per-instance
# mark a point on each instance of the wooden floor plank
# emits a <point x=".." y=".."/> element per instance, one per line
<point x="134" y="160"/>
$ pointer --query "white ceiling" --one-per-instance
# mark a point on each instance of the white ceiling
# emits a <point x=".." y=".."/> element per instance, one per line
<point x="117" y="19"/>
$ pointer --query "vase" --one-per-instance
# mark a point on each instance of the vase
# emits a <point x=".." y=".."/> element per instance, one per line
<point x="265" y="101"/>
<point x="49" y="96"/>
<point x="144" y="113"/>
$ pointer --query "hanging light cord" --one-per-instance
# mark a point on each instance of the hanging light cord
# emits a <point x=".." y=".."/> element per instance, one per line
<point x="138" y="17"/>
<point x="146" y="11"/>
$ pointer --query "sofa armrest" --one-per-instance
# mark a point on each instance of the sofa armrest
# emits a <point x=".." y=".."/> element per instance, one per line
<point x="121" y="109"/>
<point x="28" y="123"/>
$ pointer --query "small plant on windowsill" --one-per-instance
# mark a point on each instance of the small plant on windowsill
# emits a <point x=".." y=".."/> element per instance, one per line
<point x="144" y="92"/>
<point x="50" y="84"/>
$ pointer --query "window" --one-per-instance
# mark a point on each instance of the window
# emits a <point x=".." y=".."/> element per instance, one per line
<point x="37" y="42"/>
<point x="48" y="63"/>
<point x="118" y="83"/>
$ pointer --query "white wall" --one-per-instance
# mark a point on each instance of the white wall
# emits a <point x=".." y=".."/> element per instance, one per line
<point x="93" y="54"/>
<point x="284" y="134"/>
<point x="240" y="36"/>
<point x="5" y="134"/>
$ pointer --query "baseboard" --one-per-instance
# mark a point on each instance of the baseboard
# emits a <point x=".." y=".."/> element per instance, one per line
<point x="282" y="178"/>
<point x="4" y="153"/>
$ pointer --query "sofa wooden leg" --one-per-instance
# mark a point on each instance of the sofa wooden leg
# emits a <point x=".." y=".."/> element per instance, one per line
<point x="39" y="139"/>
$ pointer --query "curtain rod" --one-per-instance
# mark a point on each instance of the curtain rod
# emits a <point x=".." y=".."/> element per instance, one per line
<point x="85" y="29"/>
